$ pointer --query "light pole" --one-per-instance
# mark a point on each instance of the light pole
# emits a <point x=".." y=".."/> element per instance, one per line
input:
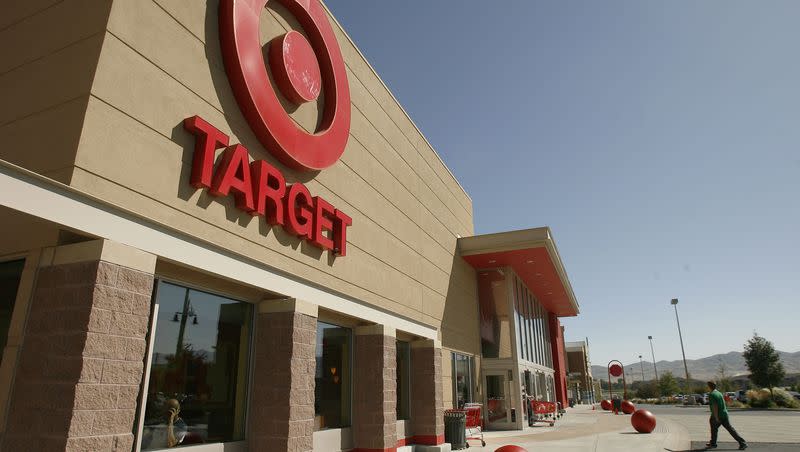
<point x="655" y="369"/>
<point x="674" y="303"/>
<point x="641" y="364"/>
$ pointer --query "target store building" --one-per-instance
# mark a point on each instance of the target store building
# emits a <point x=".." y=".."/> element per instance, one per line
<point x="221" y="232"/>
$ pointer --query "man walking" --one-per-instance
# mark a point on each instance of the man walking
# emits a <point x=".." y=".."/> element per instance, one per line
<point x="719" y="416"/>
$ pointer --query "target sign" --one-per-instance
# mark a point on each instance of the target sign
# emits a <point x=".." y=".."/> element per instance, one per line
<point x="301" y="68"/>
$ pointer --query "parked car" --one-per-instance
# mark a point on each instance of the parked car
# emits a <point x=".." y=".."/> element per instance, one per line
<point x="705" y="399"/>
<point x="693" y="399"/>
<point x="741" y="396"/>
<point x="794" y="394"/>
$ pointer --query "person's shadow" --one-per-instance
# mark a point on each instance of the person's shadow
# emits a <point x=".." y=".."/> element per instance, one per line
<point x="697" y="447"/>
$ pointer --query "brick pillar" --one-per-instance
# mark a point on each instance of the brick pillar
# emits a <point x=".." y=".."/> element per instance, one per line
<point x="375" y="397"/>
<point x="77" y="384"/>
<point x="282" y="398"/>
<point x="427" y="406"/>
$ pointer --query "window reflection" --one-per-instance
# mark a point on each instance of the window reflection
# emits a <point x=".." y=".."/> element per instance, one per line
<point x="198" y="371"/>
<point x="332" y="378"/>
<point x="495" y="328"/>
<point x="462" y="379"/>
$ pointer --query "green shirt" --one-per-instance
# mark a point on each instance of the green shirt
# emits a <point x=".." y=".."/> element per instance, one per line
<point x="715" y="398"/>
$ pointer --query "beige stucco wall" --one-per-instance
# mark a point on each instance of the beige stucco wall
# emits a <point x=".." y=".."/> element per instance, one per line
<point x="144" y="66"/>
<point x="48" y="52"/>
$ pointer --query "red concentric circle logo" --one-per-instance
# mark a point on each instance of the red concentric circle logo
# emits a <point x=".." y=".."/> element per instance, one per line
<point x="301" y="69"/>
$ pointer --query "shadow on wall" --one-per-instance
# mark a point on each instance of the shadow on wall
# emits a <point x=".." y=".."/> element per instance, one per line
<point x="230" y="108"/>
<point x="460" y="315"/>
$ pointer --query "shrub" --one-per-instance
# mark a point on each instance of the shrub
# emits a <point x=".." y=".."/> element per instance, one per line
<point x="760" y="398"/>
<point x="784" y="399"/>
<point x="735" y="404"/>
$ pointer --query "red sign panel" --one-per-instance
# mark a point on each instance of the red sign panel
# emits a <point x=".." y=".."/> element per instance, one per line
<point x="300" y="68"/>
<point x="260" y="189"/>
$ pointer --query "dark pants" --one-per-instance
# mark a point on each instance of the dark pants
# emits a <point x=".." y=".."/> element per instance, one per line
<point x="725" y="423"/>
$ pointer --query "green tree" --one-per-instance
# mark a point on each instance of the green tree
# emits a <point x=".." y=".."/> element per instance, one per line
<point x="667" y="384"/>
<point x="763" y="362"/>
<point x="648" y="390"/>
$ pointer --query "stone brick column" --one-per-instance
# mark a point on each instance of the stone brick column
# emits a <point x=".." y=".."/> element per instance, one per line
<point x="282" y="398"/>
<point x="375" y="383"/>
<point x="427" y="406"/>
<point x="80" y="368"/>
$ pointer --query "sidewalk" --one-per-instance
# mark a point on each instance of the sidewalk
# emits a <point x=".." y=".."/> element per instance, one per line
<point x="582" y="429"/>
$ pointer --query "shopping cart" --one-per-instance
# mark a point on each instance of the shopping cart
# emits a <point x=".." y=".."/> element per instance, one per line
<point x="544" y="412"/>
<point x="474" y="423"/>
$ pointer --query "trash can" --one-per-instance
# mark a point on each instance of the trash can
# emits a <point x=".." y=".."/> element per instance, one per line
<point x="455" y="429"/>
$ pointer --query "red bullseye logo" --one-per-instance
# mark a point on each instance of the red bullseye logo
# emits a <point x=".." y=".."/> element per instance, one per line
<point x="302" y="69"/>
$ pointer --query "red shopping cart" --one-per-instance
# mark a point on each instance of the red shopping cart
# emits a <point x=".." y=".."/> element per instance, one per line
<point x="474" y="423"/>
<point x="542" y="412"/>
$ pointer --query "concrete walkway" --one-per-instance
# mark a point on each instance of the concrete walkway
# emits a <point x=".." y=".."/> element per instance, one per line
<point x="582" y="429"/>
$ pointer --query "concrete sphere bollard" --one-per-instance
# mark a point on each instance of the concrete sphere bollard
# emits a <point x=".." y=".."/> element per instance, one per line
<point x="511" y="448"/>
<point x="605" y="404"/>
<point x="628" y="407"/>
<point x="643" y="421"/>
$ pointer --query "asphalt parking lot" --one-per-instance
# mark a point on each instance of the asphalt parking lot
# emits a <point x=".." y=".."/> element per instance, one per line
<point x="764" y="430"/>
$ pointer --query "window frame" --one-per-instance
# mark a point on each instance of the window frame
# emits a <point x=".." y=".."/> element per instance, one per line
<point x="232" y="446"/>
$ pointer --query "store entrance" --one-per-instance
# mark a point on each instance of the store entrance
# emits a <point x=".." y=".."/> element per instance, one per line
<point x="499" y="407"/>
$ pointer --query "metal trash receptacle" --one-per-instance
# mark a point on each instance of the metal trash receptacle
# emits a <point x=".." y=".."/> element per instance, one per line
<point x="455" y="429"/>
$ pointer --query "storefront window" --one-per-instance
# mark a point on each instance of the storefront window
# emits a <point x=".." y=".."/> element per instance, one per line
<point x="403" y="380"/>
<point x="332" y="393"/>
<point x="518" y="329"/>
<point x="198" y="371"/>
<point x="529" y="328"/>
<point x="10" y="274"/>
<point x="541" y="390"/>
<point x="462" y="379"/>
<point x="495" y="320"/>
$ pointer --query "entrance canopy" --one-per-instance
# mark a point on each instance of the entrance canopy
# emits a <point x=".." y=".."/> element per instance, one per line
<point x="533" y="255"/>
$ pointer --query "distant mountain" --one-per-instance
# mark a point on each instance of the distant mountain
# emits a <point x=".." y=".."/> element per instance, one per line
<point x="701" y="369"/>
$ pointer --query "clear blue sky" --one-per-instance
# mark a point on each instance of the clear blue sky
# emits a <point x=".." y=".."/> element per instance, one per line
<point x="659" y="140"/>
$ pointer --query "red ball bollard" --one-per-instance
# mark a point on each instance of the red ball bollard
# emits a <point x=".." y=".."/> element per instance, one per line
<point x="628" y="407"/>
<point x="643" y="421"/>
<point x="606" y="405"/>
<point x="511" y="448"/>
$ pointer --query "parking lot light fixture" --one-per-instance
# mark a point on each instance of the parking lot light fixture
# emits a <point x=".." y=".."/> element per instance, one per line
<point x="674" y="303"/>
<point x="655" y="368"/>
<point x="641" y="364"/>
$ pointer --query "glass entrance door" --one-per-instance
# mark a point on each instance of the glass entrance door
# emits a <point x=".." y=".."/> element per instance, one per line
<point x="498" y="406"/>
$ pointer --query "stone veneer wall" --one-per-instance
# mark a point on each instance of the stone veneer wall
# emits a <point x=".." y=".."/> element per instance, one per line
<point x="282" y="400"/>
<point x="375" y="395"/>
<point x="77" y="384"/>
<point x="427" y="406"/>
